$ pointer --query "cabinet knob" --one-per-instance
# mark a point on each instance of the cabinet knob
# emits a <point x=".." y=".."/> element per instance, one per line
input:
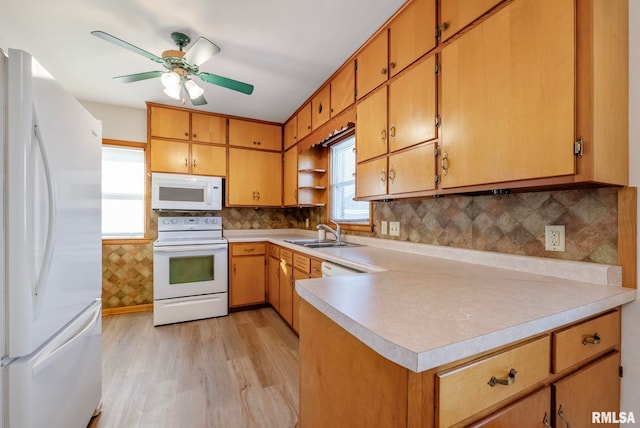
<point x="320" y="108"/>
<point x="510" y="380"/>
<point x="384" y="70"/>
<point x="383" y="136"/>
<point x="195" y="136"/>
<point x="383" y="175"/>
<point x="194" y="163"/>
<point x="186" y="162"/>
<point x="186" y="134"/>
<point x="392" y="131"/>
<point x="591" y="340"/>
<point x="392" y="174"/>
<point x="392" y="65"/>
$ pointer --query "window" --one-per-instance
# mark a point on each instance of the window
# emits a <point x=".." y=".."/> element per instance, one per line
<point x="343" y="184"/>
<point x="123" y="192"/>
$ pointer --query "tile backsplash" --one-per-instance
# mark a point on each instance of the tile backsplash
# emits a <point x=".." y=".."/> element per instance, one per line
<point x="512" y="223"/>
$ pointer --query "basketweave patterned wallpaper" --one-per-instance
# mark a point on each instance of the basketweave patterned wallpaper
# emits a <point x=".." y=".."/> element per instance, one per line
<point x="511" y="224"/>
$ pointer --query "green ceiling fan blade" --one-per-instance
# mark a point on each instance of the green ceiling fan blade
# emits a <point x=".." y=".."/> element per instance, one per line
<point x="118" y="42"/>
<point x="138" y="76"/>
<point x="201" y="51"/>
<point x="225" y="82"/>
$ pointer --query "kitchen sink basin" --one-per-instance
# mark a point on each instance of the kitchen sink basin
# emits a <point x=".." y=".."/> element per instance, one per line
<point x="317" y="243"/>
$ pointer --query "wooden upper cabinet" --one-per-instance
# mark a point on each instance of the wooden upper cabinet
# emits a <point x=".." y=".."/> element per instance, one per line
<point x="208" y="160"/>
<point x="412" y="34"/>
<point x="170" y="156"/>
<point x="304" y="122"/>
<point x="169" y="123"/>
<point x="290" y="177"/>
<point x="291" y="133"/>
<point x="371" y="126"/>
<point x="207" y="128"/>
<point x="255" y="135"/>
<point x="412" y="170"/>
<point x="457" y="14"/>
<point x="373" y="67"/>
<point x="320" y="107"/>
<point x="343" y="89"/>
<point x="508" y="96"/>
<point x="254" y="178"/>
<point x="371" y="178"/>
<point x="412" y="106"/>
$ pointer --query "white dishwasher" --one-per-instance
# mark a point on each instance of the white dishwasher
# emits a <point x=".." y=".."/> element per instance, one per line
<point x="331" y="269"/>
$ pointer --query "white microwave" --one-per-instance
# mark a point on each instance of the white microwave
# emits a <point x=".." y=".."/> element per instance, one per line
<point x="181" y="192"/>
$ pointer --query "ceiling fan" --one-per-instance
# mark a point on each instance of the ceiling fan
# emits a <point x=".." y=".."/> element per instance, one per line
<point x="180" y="65"/>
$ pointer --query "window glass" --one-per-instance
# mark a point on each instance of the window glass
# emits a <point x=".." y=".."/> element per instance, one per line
<point x="343" y="184"/>
<point x="123" y="187"/>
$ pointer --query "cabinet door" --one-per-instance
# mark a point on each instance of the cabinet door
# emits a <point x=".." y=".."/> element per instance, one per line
<point x="595" y="388"/>
<point x="286" y="292"/>
<point x="247" y="285"/>
<point x="169" y="156"/>
<point x="268" y="174"/>
<point x="290" y="133"/>
<point x="457" y="14"/>
<point x="533" y="411"/>
<point x="508" y="96"/>
<point x="412" y="170"/>
<point x="343" y="89"/>
<point x="372" y="64"/>
<point x="304" y="122"/>
<point x="290" y="176"/>
<point x="371" y="126"/>
<point x="254" y="178"/>
<point x="169" y="123"/>
<point x="295" y="324"/>
<point x="255" y="135"/>
<point x="273" y="283"/>
<point x="412" y="106"/>
<point x="208" y="128"/>
<point x="320" y="108"/>
<point x="208" y="160"/>
<point x="412" y="34"/>
<point x="371" y="178"/>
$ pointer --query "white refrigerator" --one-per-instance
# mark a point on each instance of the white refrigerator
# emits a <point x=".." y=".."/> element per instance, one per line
<point x="50" y="314"/>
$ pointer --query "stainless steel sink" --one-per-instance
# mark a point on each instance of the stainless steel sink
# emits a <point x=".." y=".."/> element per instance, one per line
<point x="317" y="243"/>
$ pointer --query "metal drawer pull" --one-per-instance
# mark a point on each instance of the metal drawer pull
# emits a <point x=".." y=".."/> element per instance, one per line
<point x="545" y="420"/>
<point x="445" y="163"/>
<point x="561" y="414"/>
<point x="510" y="380"/>
<point x="248" y="250"/>
<point x="591" y="340"/>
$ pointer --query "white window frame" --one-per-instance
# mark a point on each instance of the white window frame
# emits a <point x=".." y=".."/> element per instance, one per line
<point x="338" y="181"/>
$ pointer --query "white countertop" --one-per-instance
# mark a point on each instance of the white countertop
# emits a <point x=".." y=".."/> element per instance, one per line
<point x="423" y="306"/>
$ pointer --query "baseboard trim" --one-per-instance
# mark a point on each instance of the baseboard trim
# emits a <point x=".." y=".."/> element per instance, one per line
<point x="147" y="307"/>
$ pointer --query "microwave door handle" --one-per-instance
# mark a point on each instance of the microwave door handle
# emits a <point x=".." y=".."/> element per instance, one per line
<point x="183" y="248"/>
<point x="43" y="272"/>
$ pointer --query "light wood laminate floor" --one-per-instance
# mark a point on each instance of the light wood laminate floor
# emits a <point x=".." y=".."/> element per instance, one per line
<point x="235" y="371"/>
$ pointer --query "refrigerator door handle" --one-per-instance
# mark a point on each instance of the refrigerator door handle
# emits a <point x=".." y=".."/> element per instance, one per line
<point x="46" y="356"/>
<point x="43" y="272"/>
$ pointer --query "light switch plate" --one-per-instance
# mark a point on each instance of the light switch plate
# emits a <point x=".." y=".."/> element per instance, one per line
<point x="384" y="227"/>
<point x="394" y="228"/>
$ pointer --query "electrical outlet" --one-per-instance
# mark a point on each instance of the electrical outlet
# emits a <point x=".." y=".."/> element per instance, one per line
<point x="394" y="228"/>
<point x="384" y="227"/>
<point x="554" y="238"/>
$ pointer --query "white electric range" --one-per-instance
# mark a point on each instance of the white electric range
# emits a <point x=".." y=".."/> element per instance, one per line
<point x="190" y="270"/>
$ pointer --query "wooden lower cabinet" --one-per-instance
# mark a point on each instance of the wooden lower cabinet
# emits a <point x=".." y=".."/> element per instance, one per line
<point x="345" y="383"/>
<point x="247" y="274"/>
<point x="273" y="277"/>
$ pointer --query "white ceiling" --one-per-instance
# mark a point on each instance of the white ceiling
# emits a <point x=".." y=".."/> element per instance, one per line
<point x="285" y="48"/>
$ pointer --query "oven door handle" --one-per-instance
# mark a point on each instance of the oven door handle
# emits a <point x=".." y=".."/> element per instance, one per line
<point x="184" y="248"/>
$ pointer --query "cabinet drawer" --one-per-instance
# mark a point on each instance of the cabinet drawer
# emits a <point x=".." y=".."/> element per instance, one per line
<point x="286" y="256"/>
<point x="301" y="262"/>
<point x="247" y="249"/>
<point x="316" y="268"/>
<point x="466" y="390"/>
<point x="576" y="343"/>
<point x="274" y="251"/>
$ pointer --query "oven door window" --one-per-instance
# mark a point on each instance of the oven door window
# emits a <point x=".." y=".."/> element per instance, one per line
<point x="192" y="269"/>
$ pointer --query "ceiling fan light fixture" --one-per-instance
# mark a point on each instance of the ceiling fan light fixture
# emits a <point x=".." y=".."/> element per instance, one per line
<point x="171" y="81"/>
<point x="173" y="92"/>
<point x="194" y="90"/>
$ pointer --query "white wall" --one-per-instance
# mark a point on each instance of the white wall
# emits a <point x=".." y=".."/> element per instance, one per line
<point x="120" y="123"/>
<point x="631" y="312"/>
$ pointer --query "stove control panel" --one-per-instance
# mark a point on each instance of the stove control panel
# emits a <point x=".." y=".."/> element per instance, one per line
<point x="189" y="223"/>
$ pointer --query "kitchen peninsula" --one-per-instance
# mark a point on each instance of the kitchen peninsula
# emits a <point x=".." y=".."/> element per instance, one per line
<point x="409" y="343"/>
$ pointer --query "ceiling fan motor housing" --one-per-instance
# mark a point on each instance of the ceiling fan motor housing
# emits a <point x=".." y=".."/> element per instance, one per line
<point x="180" y="39"/>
